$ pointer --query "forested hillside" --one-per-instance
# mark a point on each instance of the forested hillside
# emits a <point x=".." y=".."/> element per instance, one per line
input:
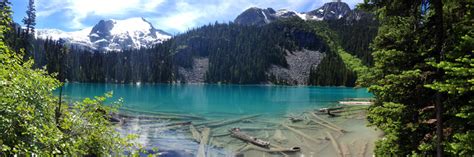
<point x="240" y="54"/>
<point x="237" y="54"/>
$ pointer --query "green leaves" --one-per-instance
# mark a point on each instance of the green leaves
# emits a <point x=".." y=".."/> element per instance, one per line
<point x="27" y="115"/>
<point x="413" y="67"/>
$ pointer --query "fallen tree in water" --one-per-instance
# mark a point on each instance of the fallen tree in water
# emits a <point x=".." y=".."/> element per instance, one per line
<point x="235" y="132"/>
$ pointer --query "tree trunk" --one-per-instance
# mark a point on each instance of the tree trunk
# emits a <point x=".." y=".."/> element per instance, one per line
<point x="440" y="36"/>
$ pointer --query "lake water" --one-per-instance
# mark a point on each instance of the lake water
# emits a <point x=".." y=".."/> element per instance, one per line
<point x="232" y="99"/>
<point x="212" y="102"/>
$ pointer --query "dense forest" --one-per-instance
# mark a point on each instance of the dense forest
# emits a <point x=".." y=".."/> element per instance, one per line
<point x="237" y="54"/>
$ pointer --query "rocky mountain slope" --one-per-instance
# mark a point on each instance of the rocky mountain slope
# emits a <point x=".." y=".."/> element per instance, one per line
<point x="258" y="16"/>
<point x="111" y="35"/>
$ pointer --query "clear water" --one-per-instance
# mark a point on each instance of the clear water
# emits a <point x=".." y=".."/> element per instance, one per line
<point x="218" y="102"/>
<point x="208" y="99"/>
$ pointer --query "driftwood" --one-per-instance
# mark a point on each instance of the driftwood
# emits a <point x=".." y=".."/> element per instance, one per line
<point x="336" y="145"/>
<point x="327" y="122"/>
<point x="301" y="133"/>
<point x="231" y="121"/>
<point x="195" y="133"/>
<point x="235" y="132"/>
<point x="204" y="139"/>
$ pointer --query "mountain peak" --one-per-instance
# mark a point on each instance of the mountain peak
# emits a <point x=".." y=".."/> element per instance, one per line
<point x="331" y="11"/>
<point x="112" y="34"/>
<point x="256" y="16"/>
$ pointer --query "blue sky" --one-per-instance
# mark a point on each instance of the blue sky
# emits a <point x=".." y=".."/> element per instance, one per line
<point x="173" y="16"/>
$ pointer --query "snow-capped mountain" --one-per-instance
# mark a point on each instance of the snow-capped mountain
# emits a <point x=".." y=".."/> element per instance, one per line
<point x="258" y="16"/>
<point x="111" y="35"/>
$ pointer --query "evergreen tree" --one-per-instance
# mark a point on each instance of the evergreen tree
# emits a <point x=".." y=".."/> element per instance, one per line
<point x="423" y="67"/>
<point x="30" y="19"/>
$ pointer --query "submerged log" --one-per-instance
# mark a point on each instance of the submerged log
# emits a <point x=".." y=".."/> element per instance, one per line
<point x="203" y="144"/>
<point x="301" y="134"/>
<point x="235" y="132"/>
<point x="324" y="110"/>
<point x="336" y="145"/>
<point x="195" y="133"/>
<point x="164" y="114"/>
<point x="180" y="123"/>
<point x="327" y="122"/>
<point x="148" y="117"/>
<point x="220" y="135"/>
<point x="295" y="119"/>
<point x="231" y="121"/>
<point x="328" y="126"/>
<point x="275" y="150"/>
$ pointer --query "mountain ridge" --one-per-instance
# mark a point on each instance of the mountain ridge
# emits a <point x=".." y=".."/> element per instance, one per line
<point x="258" y="16"/>
<point x="111" y="35"/>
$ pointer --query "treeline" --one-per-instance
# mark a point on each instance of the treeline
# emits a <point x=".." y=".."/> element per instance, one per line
<point x="237" y="54"/>
<point x="76" y="64"/>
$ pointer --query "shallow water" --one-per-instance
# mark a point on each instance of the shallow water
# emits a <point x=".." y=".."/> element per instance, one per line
<point x="216" y="102"/>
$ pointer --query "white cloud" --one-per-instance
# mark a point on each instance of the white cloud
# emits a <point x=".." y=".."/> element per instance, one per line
<point x="170" y="15"/>
<point x="78" y="10"/>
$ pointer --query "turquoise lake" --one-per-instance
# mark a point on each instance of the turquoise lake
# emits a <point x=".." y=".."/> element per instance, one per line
<point x="224" y="99"/>
<point x="272" y="104"/>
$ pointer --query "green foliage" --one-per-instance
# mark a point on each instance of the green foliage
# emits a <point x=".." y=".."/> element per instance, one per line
<point x="338" y="68"/>
<point x="27" y="115"/>
<point x="419" y="64"/>
<point x="356" y="31"/>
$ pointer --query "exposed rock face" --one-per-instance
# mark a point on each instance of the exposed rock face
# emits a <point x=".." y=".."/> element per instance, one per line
<point x="197" y="73"/>
<point x="300" y="64"/>
<point x="331" y="11"/>
<point x="256" y="16"/>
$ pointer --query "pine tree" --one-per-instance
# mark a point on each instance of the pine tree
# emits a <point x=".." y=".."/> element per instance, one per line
<point x="423" y="67"/>
<point x="30" y="19"/>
